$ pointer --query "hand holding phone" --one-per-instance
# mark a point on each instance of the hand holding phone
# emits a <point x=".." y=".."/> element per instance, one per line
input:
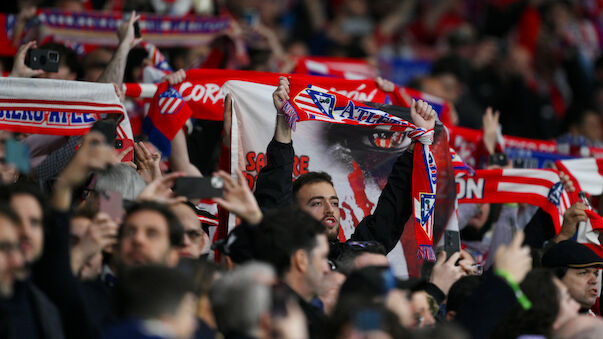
<point x="44" y="59"/>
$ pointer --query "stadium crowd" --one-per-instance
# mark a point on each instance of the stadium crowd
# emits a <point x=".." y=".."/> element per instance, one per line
<point x="96" y="245"/>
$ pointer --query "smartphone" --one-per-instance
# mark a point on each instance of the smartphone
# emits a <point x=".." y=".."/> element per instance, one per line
<point x="452" y="242"/>
<point x="137" y="33"/>
<point x="122" y="144"/>
<point x="44" y="59"/>
<point x="198" y="187"/>
<point x="17" y="154"/>
<point x="500" y="159"/>
<point x="111" y="202"/>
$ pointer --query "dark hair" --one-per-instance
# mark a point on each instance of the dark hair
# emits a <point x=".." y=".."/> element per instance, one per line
<point x="8" y="213"/>
<point x="354" y="308"/>
<point x="451" y="64"/>
<point x="284" y="231"/>
<point x="68" y="57"/>
<point x="540" y="289"/>
<point x="310" y="178"/>
<point x="84" y="212"/>
<point x="348" y="251"/>
<point x="460" y="290"/>
<point x="559" y="271"/>
<point x="151" y="291"/>
<point x="175" y="229"/>
<point x="371" y="282"/>
<point x="9" y="191"/>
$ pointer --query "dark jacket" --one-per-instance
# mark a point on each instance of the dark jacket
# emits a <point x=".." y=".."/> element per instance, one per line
<point x="29" y="314"/>
<point x="80" y="309"/>
<point x="274" y="189"/>
<point x="483" y="310"/>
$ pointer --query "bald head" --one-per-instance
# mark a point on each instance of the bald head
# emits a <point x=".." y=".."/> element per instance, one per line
<point x="580" y="327"/>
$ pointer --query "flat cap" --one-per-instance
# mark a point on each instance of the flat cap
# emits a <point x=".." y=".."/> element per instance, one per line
<point x="569" y="253"/>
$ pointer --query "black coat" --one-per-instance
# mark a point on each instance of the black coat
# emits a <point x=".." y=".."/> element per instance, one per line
<point x="29" y="314"/>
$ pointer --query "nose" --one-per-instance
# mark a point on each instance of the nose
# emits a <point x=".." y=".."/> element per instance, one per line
<point x="137" y="238"/>
<point x="329" y="209"/>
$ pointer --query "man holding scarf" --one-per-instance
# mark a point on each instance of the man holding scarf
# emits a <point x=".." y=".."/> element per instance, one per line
<point x="314" y="192"/>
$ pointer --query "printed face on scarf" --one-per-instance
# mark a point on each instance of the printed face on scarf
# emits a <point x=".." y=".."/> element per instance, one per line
<point x="145" y="240"/>
<point x="320" y="200"/>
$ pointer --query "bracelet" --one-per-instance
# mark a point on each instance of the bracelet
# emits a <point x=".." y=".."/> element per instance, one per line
<point x="523" y="300"/>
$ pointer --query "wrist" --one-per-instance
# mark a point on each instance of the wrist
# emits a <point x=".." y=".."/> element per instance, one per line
<point x="254" y="217"/>
<point x="514" y="285"/>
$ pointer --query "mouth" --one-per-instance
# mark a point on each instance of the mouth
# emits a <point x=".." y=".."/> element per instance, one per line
<point x="137" y="258"/>
<point x="185" y="254"/>
<point x="593" y="291"/>
<point x="25" y="246"/>
<point x="329" y="222"/>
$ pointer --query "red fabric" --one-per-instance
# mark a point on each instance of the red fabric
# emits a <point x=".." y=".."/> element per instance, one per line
<point x="596" y="220"/>
<point x="202" y="88"/>
<point x="532" y="186"/>
<point x="170" y="115"/>
<point x="529" y="29"/>
<point x="6" y="44"/>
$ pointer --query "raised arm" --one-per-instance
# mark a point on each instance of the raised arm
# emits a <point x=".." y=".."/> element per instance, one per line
<point x="115" y="70"/>
<point x="274" y="187"/>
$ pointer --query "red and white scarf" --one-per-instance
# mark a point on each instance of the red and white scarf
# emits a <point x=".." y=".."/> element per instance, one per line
<point x="58" y="107"/>
<point x="538" y="187"/>
<point x="309" y="103"/>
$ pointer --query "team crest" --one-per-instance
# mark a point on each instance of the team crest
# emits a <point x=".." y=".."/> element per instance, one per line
<point x="427" y="204"/>
<point x="170" y="101"/>
<point x="555" y="193"/>
<point x="325" y="102"/>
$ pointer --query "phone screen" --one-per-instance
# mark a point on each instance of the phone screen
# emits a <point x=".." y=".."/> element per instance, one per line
<point x="199" y="188"/>
<point x="17" y="154"/>
<point x="111" y="202"/>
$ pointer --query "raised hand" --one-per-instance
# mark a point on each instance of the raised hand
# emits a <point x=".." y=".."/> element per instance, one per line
<point x="281" y="94"/>
<point x="571" y="218"/>
<point x="446" y="272"/>
<point x="175" y="78"/>
<point x="282" y="132"/>
<point x="19" y="68"/>
<point x="490" y="128"/>
<point x="238" y="198"/>
<point x="160" y="190"/>
<point x="422" y="114"/>
<point x="147" y="163"/>
<point x="125" y="31"/>
<point x="514" y="259"/>
<point x="93" y="154"/>
<point x="385" y="85"/>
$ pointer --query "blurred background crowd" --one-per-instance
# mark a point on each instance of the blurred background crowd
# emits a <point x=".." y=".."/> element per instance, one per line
<point x="75" y="265"/>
